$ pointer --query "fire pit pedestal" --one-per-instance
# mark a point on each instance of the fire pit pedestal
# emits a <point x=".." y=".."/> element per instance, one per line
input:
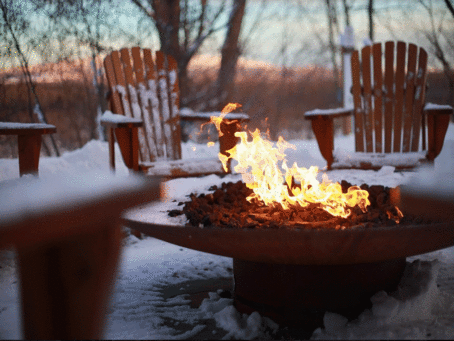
<point x="299" y="295"/>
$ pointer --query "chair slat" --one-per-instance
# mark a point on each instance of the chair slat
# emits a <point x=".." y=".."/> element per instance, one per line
<point x="359" y="137"/>
<point x="409" y="97"/>
<point x="163" y="92"/>
<point x="121" y="83"/>
<point x="389" y="94"/>
<point x="378" y="97"/>
<point x="174" y="105"/>
<point x="399" y="95"/>
<point x="134" y="101"/>
<point x="117" y="107"/>
<point x="153" y="94"/>
<point x="420" y="92"/>
<point x="368" y="112"/>
<point x="144" y="101"/>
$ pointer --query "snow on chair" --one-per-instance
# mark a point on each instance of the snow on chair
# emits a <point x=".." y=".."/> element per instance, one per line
<point x="392" y="123"/>
<point x="145" y="120"/>
<point x="66" y="231"/>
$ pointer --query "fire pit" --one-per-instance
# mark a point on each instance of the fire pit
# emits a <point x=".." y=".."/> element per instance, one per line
<point x="300" y="247"/>
<point x="295" y="275"/>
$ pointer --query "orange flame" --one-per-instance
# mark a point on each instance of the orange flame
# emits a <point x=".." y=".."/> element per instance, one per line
<point x="264" y="170"/>
<point x="397" y="216"/>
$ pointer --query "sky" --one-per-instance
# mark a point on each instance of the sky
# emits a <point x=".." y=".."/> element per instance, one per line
<point x="282" y="32"/>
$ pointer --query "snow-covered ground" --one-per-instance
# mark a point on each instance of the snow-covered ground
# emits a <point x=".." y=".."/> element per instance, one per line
<point x="151" y="301"/>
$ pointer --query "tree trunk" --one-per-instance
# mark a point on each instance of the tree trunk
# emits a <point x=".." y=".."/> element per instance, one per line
<point x="370" y="9"/>
<point x="450" y="7"/>
<point x="167" y="19"/>
<point x="230" y="54"/>
<point x="332" y="23"/>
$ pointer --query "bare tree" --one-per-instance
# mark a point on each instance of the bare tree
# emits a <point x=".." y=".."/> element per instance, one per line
<point x="183" y="26"/>
<point x="12" y="23"/>
<point x="88" y="24"/>
<point x="230" y="53"/>
<point x="440" y="40"/>
<point x="370" y="13"/>
<point x="450" y="7"/>
<point x="333" y="29"/>
<point x="347" y="8"/>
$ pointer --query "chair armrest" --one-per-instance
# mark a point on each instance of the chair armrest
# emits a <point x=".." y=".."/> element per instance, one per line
<point x="437" y="109"/>
<point x="328" y="113"/>
<point x="438" y="117"/>
<point x="112" y="120"/>
<point x="16" y="128"/>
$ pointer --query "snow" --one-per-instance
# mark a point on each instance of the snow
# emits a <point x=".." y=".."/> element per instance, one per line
<point x="347" y="39"/>
<point x="110" y="117"/>
<point x="432" y="106"/>
<point x="190" y="166"/>
<point x="334" y="111"/>
<point x="152" y="300"/>
<point x="17" y="125"/>
<point x="32" y="197"/>
<point x="345" y="159"/>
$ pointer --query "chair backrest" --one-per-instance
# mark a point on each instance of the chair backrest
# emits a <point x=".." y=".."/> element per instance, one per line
<point x="389" y="93"/>
<point x="144" y="88"/>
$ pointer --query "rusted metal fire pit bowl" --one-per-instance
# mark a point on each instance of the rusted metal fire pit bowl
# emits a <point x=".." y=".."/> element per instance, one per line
<point x="294" y="276"/>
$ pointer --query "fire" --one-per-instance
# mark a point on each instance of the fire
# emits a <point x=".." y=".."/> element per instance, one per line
<point x="264" y="170"/>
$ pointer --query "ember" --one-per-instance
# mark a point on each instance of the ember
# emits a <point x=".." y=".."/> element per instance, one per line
<point x="227" y="206"/>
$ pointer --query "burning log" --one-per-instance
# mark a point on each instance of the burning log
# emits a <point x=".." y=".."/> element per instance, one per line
<point x="227" y="206"/>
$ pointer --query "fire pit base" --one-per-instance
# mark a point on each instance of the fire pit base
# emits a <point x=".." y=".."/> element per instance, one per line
<point x="299" y="295"/>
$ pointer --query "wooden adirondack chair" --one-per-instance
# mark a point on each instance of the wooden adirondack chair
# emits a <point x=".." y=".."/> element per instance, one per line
<point x="146" y="92"/>
<point x="392" y="123"/>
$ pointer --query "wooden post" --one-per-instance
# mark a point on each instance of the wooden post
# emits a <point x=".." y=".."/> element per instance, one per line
<point x="29" y="147"/>
<point x="111" y="139"/>
<point x="347" y="47"/>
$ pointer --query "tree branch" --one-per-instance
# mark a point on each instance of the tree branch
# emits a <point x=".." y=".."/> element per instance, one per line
<point x="450" y="7"/>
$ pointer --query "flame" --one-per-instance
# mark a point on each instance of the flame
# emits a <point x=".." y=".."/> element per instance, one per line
<point x="264" y="170"/>
<point x="217" y="120"/>
<point x="397" y="216"/>
<point x="210" y="144"/>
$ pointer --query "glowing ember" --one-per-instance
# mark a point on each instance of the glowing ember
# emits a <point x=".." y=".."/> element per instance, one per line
<point x="264" y="170"/>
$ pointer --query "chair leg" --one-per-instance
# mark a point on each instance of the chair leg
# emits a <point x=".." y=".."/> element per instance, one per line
<point x="111" y="140"/>
<point x="65" y="286"/>
<point x="29" y="148"/>
<point x="128" y="142"/>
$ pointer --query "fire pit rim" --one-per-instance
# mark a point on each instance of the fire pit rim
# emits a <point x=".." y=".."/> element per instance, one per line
<point x="305" y="247"/>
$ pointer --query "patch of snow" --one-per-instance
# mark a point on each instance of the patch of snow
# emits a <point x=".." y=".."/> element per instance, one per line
<point x="328" y="112"/>
<point x="17" y="125"/>
<point x="431" y="106"/>
<point x="109" y="116"/>
<point x="347" y="159"/>
<point x="405" y="313"/>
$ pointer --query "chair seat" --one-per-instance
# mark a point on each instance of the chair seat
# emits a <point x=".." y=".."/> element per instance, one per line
<point x="185" y="167"/>
<point x="345" y="159"/>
